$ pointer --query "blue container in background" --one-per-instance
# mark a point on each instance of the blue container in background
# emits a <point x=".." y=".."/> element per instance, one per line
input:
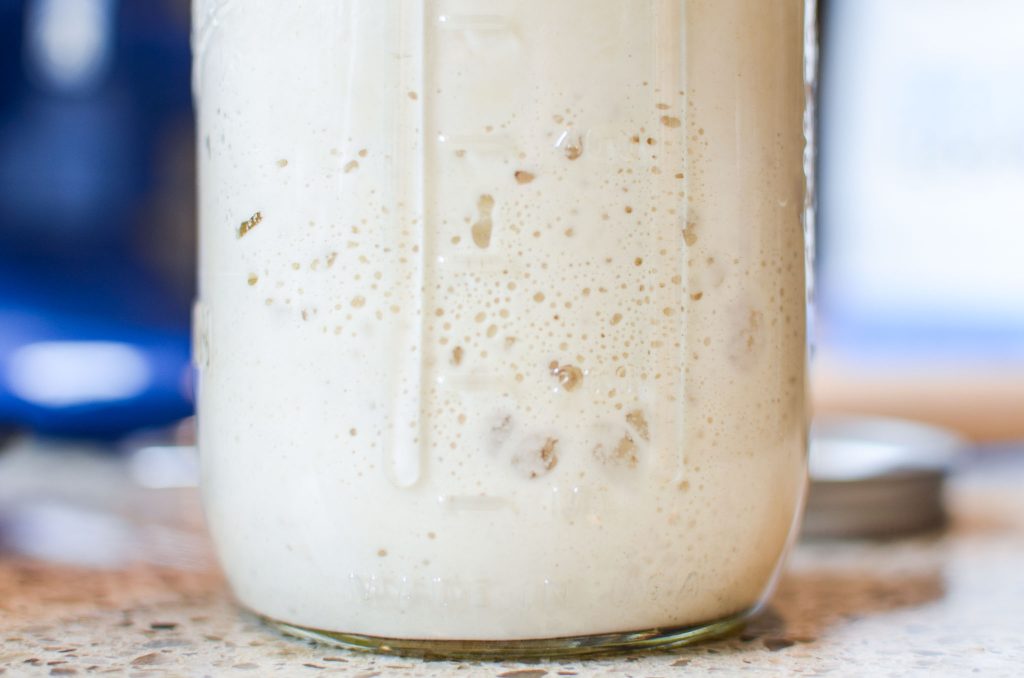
<point x="96" y="215"/>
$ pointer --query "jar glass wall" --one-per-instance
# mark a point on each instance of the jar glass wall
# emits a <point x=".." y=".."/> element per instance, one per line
<point x="501" y="329"/>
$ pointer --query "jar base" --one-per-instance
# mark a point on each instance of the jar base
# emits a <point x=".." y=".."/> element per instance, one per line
<point x="546" y="648"/>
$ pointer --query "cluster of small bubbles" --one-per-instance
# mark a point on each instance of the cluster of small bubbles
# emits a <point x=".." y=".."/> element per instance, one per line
<point x="601" y="281"/>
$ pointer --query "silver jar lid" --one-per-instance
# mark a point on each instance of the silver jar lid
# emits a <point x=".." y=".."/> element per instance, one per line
<point x="875" y="477"/>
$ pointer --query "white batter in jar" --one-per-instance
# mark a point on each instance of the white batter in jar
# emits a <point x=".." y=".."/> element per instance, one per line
<point x="501" y="328"/>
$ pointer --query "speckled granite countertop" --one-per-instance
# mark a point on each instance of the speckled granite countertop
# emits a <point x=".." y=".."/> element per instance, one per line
<point x="949" y="604"/>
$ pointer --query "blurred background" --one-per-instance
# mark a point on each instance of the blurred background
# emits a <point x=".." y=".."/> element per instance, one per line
<point x="921" y="224"/>
<point x="96" y="215"/>
<point x="920" y="230"/>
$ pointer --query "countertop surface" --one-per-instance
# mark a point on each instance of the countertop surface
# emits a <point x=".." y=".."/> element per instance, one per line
<point x="119" y="579"/>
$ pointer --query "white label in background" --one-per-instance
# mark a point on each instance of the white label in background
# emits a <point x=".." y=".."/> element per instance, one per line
<point x="923" y="164"/>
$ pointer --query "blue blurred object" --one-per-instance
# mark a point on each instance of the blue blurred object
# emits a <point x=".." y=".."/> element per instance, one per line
<point x="96" y="215"/>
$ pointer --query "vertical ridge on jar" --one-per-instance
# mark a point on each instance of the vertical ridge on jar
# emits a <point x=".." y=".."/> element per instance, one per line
<point x="406" y="449"/>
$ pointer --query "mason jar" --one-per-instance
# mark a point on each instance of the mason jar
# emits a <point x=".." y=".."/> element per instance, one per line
<point x="501" y="326"/>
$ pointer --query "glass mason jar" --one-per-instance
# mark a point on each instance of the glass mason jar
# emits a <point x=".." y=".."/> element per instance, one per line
<point x="501" y="329"/>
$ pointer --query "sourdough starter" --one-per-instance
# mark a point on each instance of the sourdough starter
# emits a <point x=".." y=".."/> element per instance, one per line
<point x="501" y="322"/>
